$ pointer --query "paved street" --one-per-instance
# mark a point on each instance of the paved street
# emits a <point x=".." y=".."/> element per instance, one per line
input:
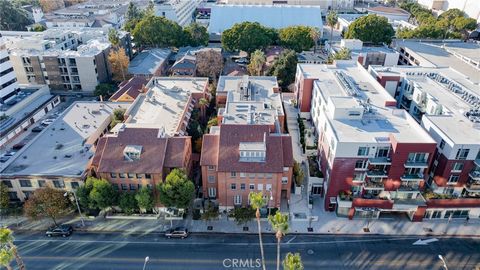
<point x="208" y="252"/>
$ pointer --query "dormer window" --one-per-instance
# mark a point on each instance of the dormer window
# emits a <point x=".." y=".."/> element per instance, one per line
<point x="132" y="152"/>
<point x="252" y="152"/>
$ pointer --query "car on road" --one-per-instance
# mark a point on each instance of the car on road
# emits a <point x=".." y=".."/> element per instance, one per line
<point x="62" y="230"/>
<point x="4" y="159"/>
<point x="10" y="153"/>
<point x="178" y="232"/>
<point x="37" y="129"/>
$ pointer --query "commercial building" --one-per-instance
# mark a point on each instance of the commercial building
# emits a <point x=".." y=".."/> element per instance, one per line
<point x="8" y="79"/>
<point x="374" y="156"/>
<point x="238" y="159"/>
<point x="149" y="63"/>
<point x="447" y="104"/>
<point x="65" y="60"/>
<point x="179" y="11"/>
<point x="276" y="16"/>
<point x="391" y="13"/>
<point x="323" y="4"/>
<point x="60" y="154"/>
<point x="251" y="100"/>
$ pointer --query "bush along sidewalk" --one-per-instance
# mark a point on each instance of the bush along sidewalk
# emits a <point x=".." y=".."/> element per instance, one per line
<point x="301" y="127"/>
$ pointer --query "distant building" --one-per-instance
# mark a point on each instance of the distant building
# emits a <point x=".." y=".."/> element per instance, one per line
<point x="470" y="7"/>
<point x="149" y="63"/>
<point x="179" y="11"/>
<point x="8" y="78"/>
<point x="34" y="13"/>
<point x="323" y="4"/>
<point x="276" y="16"/>
<point x="391" y="13"/>
<point x="368" y="55"/>
<point x="186" y="60"/>
<point x="59" y="155"/>
<point x="238" y="159"/>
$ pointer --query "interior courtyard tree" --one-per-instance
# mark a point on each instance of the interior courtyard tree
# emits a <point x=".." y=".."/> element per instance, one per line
<point x="297" y="38"/>
<point x="197" y="35"/>
<point x="209" y="63"/>
<point x="257" y="63"/>
<point x="47" y="203"/>
<point x="371" y="28"/>
<point x="119" y="62"/>
<point x="285" y="68"/>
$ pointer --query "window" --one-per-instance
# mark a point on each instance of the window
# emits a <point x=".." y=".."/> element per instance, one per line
<point x="75" y="185"/>
<point x="457" y="166"/>
<point x="124" y="186"/>
<point x="242" y="174"/>
<point x="7" y="183"/>
<point x="362" y="151"/>
<point x="284" y="180"/>
<point x="12" y="195"/>
<point x="442" y="144"/>
<point x="285" y="169"/>
<point x="453" y="179"/>
<point x="462" y="154"/>
<point x="28" y="194"/>
<point x="211" y="168"/>
<point x="358" y="177"/>
<point x="252" y="186"/>
<point x="251" y="175"/>
<point x="42" y="183"/>
<point x="139" y="175"/>
<point x="58" y="183"/>
<point x="25" y="183"/>
<point x="121" y="175"/>
<point x="115" y="187"/>
<point x="260" y="175"/>
<point x="456" y="213"/>
<point x="417" y="157"/>
<point x="260" y="187"/>
<point x="113" y="175"/>
<point x="212" y="192"/>
<point x="131" y="175"/>
<point x="233" y="174"/>
<point x="133" y="187"/>
<point x="211" y="179"/>
<point x="237" y="199"/>
<point x="361" y="164"/>
<point x="233" y="186"/>
<point x="268" y="175"/>
<point x="383" y="151"/>
<point x="242" y="186"/>
<point x="148" y="176"/>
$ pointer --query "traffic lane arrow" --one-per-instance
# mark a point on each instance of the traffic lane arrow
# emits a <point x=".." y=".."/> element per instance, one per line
<point x="425" y="242"/>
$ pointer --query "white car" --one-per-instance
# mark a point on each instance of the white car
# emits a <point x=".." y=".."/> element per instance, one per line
<point x="47" y="122"/>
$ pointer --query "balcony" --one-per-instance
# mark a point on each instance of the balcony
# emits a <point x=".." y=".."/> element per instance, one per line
<point x="475" y="175"/>
<point x="370" y="185"/>
<point x="416" y="164"/>
<point x="473" y="186"/>
<point x="377" y="174"/>
<point x="407" y="95"/>
<point x="407" y="188"/>
<point x="380" y="161"/>
<point x="412" y="177"/>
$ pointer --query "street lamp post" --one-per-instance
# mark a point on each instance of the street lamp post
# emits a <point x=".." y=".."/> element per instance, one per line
<point x="145" y="263"/>
<point x="271" y="199"/>
<point x="78" y="206"/>
<point x="444" y="262"/>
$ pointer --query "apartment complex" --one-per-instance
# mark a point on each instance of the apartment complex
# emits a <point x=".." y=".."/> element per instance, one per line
<point x="374" y="157"/>
<point x="238" y="159"/>
<point x="250" y="100"/>
<point x="470" y="7"/>
<point x="368" y="54"/>
<point x="179" y="11"/>
<point x="59" y="156"/>
<point x="447" y="104"/>
<point x="65" y="60"/>
<point x="323" y="4"/>
<point x="8" y="79"/>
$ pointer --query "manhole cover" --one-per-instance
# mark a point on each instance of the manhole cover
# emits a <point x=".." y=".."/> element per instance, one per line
<point x="310" y="252"/>
<point x="245" y="229"/>
<point x="366" y="230"/>
<point x="209" y="228"/>
<point x="310" y="229"/>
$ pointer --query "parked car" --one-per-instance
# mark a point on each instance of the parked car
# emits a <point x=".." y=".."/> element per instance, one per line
<point x="37" y="129"/>
<point x="47" y="122"/>
<point x="178" y="232"/>
<point x="62" y="230"/>
<point x="242" y="61"/>
<point x="10" y="153"/>
<point x="4" y="159"/>
<point x="18" y="146"/>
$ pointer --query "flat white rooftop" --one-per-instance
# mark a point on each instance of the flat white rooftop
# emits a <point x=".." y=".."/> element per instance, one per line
<point x="64" y="148"/>
<point x="164" y="104"/>
<point x="453" y="121"/>
<point x="379" y="121"/>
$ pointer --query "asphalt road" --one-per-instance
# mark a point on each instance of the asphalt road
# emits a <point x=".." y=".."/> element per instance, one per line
<point x="216" y="251"/>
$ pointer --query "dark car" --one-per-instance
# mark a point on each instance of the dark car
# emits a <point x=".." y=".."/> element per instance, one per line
<point x="62" y="230"/>
<point x="37" y="129"/>
<point x="4" y="159"/>
<point x="178" y="232"/>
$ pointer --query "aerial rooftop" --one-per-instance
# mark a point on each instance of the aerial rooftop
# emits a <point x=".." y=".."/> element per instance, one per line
<point x="64" y="148"/>
<point x="349" y="87"/>
<point x="166" y="104"/>
<point x="453" y="92"/>
<point x="250" y="99"/>
<point x="148" y="62"/>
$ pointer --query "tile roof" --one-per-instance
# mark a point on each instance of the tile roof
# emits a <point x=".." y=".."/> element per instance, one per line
<point x="157" y="153"/>
<point x="223" y="150"/>
<point x="132" y="87"/>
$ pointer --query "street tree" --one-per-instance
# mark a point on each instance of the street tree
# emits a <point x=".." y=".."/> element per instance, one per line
<point x="127" y="203"/>
<point x="144" y="199"/>
<point x="47" y="203"/>
<point x="212" y="122"/>
<point x="104" y="89"/>
<point x="315" y="35"/>
<point x="13" y="17"/>
<point x="279" y="223"/>
<point x="177" y="190"/>
<point x="209" y="63"/>
<point x="371" y="28"/>
<point x="248" y="37"/>
<point x="197" y="35"/>
<point x="257" y="63"/>
<point x="102" y="194"/>
<point x="257" y="201"/>
<point x="285" y="68"/>
<point x="292" y="262"/>
<point x="119" y="61"/>
<point x="332" y="20"/>
<point x="3" y="197"/>
<point x="297" y="38"/>
<point x="83" y="193"/>
<point x="8" y="250"/>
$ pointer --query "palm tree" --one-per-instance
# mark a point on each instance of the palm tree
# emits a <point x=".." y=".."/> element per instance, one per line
<point x="279" y="224"/>
<point x="257" y="201"/>
<point x="8" y="250"/>
<point x="292" y="262"/>
<point x="315" y="34"/>
<point x="332" y="19"/>
<point x="257" y="61"/>
<point x="203" y="102"/>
